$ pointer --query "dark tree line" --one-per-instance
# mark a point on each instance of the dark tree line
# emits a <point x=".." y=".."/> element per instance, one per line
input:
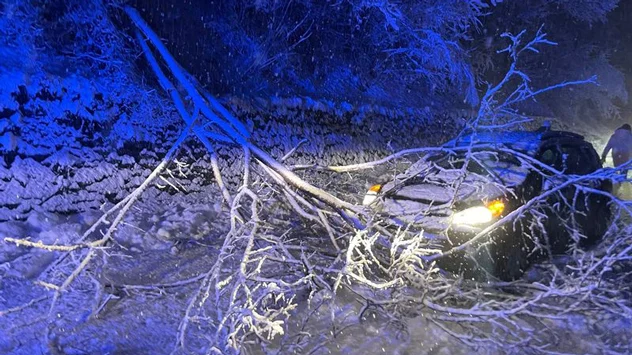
<point x="433" y="53"/>
<point x="411" y="53"/>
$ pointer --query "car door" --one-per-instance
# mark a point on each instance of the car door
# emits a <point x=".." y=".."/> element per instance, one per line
<point x="574" y="214"/>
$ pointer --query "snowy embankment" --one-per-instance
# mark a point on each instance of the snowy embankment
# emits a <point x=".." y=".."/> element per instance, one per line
<point x="71" y="144"/>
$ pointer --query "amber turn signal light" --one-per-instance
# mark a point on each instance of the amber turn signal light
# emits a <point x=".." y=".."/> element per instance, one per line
<point x="496" y="207"/>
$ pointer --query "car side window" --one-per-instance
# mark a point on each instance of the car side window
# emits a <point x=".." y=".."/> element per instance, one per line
<point x="570" y="159"/>
<point x="549" y="157"/>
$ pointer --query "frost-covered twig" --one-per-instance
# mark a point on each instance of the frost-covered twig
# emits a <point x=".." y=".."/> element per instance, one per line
<point x="293" y="150"/>
<point x="492" y="108"/>
<point x="217" y="174"/>
<point x="372" y="164"/>
<point x="40" y="245"/>
<point x="23" y="306"/>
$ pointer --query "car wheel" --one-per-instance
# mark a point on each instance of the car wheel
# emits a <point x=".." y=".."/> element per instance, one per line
<point x="597" y="221"/>
<point x="507" y="256"/>
<point x="513" y="262"/>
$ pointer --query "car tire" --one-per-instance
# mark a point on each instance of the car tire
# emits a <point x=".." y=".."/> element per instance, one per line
<point x="512" y="261"/>
<point x="506" y="257"/>
<point x="598" y="221"/>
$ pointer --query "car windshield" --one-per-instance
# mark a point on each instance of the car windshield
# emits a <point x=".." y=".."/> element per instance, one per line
<point x="500" y="167"/>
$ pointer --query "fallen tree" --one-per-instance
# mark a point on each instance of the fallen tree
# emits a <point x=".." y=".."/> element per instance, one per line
<point x="246" y="297"/>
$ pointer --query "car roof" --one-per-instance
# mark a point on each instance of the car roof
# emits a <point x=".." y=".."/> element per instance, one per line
<point x="524" y="141"/>
<point x="561" y="135"/>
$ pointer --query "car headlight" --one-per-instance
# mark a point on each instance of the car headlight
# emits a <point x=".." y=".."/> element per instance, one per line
<point x="371" y="195"/>
<point x="479" y="215"/>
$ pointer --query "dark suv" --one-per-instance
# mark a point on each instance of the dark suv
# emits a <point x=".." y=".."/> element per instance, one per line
<point x="475" y="180"/>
